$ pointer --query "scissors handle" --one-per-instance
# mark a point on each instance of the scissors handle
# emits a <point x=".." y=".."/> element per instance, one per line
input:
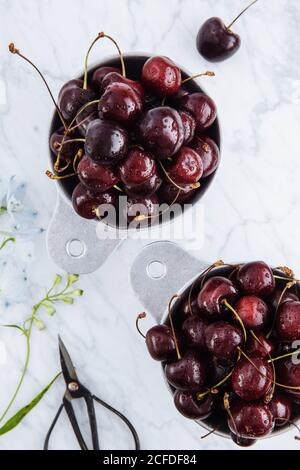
<point x="46" y="443"/>
<point x="123" y="418"/>
<point x="70" y="412"/>
<point x="73" y="420"/>
<point x="93" y="421"/>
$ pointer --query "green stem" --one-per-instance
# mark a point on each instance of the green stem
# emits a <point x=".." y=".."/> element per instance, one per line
<point x="27" y="357"/>
<point x="273" y="359"/>
<point x="9" y="239"/>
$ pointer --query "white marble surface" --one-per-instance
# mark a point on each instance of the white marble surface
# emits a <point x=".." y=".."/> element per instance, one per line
<point x="251" y="211"/>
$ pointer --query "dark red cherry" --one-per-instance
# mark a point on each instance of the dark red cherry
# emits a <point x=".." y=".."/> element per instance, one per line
<point x="288" y="374"/>
<point x="189" y="406"/>
<point x="86" y="116"/>
<point x="281" y="409"/>
<point x="214" y="291"/>
<point x="120" y="103"/>
<point x="169" y="193"/>
<point x="253" y="312"/>
<point x="161" y="130"/>
<point x="250" y="420"/>
<point x="215" y="42"/>
<point x="209" y="154"/>
<point x="190" y="308"/>
<point x="160" y="343"/>
<point x="161" y="76"/>
<point x="146" y="206"/>
<point x="222" y="339"/>
<point x="202" y="107"/>
<point x="98" y="76"/>
<point x="151" y="101"/>
<point x="72" y="97"/>
<point x="260" y="347"/>
<point x="189" y="126"/>
<point x="288" y="321"/>
<point x="138" y="167"/>
<point x="118" y="78"/>
<point x="256" y="278"/>
<point x="277" y="295"/>
<point x="146" y="189"/>
<point x="98" y="178"/>
<point x="193" y="331"/>
<point x="177" y="97"/>
<point x="106" y="142"/>
<point x="68" y="151"/>
<point x="187" y="166"/>
<point x="218" y="370"/>
<point x="188" y="373"/>
<point x="252" y="381"/>
<point x="85" y="202"/>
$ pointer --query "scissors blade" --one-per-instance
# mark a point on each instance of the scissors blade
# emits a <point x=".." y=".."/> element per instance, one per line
<point x="67" y="367"/>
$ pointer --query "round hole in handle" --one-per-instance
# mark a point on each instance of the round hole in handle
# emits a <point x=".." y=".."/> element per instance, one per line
<point x="156" y="269"/>
<point x="76" y="248"/>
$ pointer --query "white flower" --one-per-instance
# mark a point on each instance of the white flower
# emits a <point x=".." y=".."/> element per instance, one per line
<point x="16" y="218"/>
<point x="18" y="221"/>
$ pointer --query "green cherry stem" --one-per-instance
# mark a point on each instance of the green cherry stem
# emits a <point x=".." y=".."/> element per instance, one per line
<point x="100" y="36"/>
<point x="227" y="304"/>
<point x="273" y="359"/>
<point x="207" y="74"/>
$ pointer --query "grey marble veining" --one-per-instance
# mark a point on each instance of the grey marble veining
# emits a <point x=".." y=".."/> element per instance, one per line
<point x="251" y="211"/>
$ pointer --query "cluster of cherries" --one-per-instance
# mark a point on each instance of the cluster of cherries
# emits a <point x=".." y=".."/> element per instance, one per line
<point x="229" y="350"/>
<point x="141" y="139"/>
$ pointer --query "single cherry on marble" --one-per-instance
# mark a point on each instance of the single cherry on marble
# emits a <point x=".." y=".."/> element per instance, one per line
<point x="216" y="41"/>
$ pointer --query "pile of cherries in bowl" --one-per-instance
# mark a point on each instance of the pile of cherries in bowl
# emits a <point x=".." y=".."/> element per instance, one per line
<point x="230" y="350"/>
<point x="138" y="128"/>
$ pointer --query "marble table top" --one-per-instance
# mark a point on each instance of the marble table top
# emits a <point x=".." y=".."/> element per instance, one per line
<point x="250" y="212"/>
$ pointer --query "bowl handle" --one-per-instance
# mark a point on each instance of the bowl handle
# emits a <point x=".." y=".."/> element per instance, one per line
<point x="74" y="243"/>
<point x="160" y="271"/>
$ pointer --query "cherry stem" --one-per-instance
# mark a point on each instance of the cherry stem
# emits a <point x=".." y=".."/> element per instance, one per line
<point x="191" y="186"/>
<point x="273" y="359"/>
<point x="57" y="177"/>
<point x="288" y="271"/>
<point x="176" y="296"/>
<point x="289" y="387"/>
<point x="14" y="50"/>
<point x="210" y="432"/>
<point x="237" y="316"/>
<point x="77" y="157"/>
<point x="290" y="423"/>
<point x="56" y="164"/>
<point x="206" y="271"/>
<point x="138" y="318"/>
<point x="269" y="396"/>
<point x="99" y="36"/>
<point x="203" y="276"/>
<point x="207" y="74"/>
<point x="141" y="217"/>
<point x="242" y="12"/>
<point x="71" y="140"/>
<point x="286" y="287"/>
<point x="203" y="394"/>
<point x="284" y="278"/>
<point x="226" y="404"/>
<point x="118" y="188"/>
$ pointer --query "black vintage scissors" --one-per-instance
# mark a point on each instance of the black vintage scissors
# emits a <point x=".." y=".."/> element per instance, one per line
<point x="74" y="390"/>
